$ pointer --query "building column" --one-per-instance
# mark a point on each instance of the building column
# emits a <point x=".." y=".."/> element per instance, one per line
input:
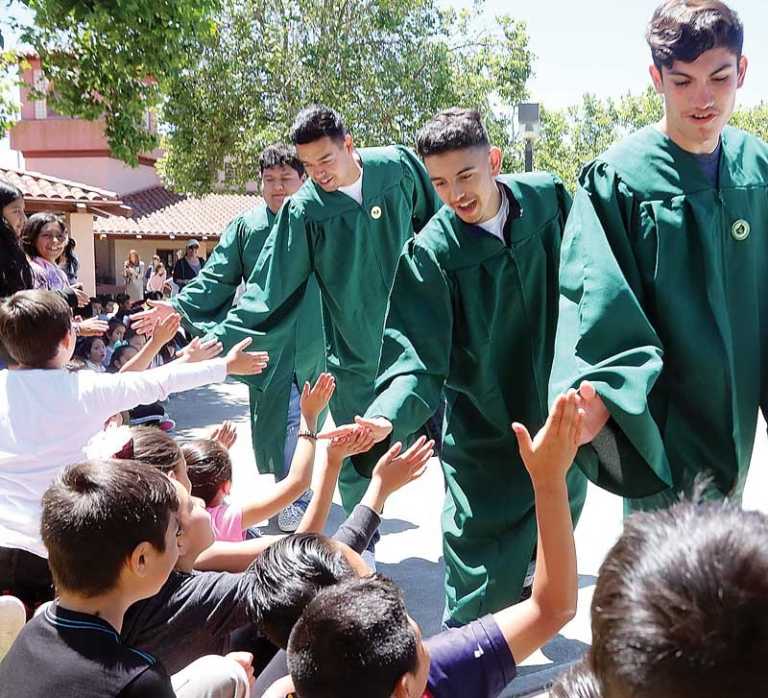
<point x="81" y="230"/>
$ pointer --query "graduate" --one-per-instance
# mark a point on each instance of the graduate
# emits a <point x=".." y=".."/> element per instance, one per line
<point x="206" y="300"/>
<point x="347" y="226"/>
<point x="663" y="279"/>
<point x="472" y="313"/>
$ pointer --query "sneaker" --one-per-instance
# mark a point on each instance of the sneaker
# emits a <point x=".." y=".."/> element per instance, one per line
<point x="288" y="519"/>
<point x="13" y="615"/>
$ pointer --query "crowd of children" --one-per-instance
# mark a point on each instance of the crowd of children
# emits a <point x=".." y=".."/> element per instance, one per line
<point x="127" y="570"/>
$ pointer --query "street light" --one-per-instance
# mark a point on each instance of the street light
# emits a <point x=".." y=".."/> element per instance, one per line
<point x="528" y="119"/>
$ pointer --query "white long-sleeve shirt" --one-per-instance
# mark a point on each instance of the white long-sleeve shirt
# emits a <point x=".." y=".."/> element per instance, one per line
<point x="48" y="416"/>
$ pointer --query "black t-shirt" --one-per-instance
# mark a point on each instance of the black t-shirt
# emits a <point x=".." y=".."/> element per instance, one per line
<point x="75" y="655"/>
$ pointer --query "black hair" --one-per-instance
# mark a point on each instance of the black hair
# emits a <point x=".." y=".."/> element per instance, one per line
<point x="84" y="345"/>
<point x="33" y="324"/>
<point x="287" y="576"/>
<point x="577" y="682"/>
<point x="156" y="448"/>
<point x="353" y="639"/>
<point x="681" y="30"/>
<point x="280" y="155"/>
<point x="208" y="466"/>
<point x="96" y="513"/>
<point x="15" y="272"/>
<point x="34" y="226"/>
<point x="451" y="129"/>
<point x="115" y="362"/>
<point x="680" y="608"/>
<point x="316" y="122"/>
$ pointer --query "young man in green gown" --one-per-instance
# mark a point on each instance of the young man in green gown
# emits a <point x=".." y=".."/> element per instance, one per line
<point x="206" y="300"/>
<point x="346" y="227"/>
<point x="664" y="278"/>
<point x="472" y="315"/>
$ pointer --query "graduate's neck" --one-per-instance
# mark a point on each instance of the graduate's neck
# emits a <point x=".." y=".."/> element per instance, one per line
<point x="697" y="147"/>
<point x="354" y="173"/>
<point x="492" y="207"/>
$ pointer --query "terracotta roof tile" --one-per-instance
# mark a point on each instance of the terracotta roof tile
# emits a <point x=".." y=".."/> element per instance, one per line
<point x="35" y="185"/>
<point x="159" y="212"/>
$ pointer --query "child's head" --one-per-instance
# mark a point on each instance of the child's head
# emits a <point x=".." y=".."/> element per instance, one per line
<point x="134" y="339"/>
<point x="92" y="349"/>
<point x="697" y="67"/>
<point x="209" y="468"/>
<point x="461" y="163"/>
<point x="115" y="331"/>
<point x="281" y="174"/>
<point x="106" y="523"/>
<point x="121" y="356"/>
<point x="288" y="575"/>
<point x="577" y="682"/>
<point x="154" y="447"/>
<point x="123" y="301"/>
<point x="45" y="235"/>
<point x="356" y="639"/>
<point x="680" y="608"/>
<point x="36" y="327"/>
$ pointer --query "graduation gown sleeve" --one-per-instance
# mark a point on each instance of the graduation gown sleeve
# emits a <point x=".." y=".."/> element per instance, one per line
<point x="205" y="301"/>
<point x="268" y="309"/>
<point x="604" y="335"/>
<point x="415" y="356"/>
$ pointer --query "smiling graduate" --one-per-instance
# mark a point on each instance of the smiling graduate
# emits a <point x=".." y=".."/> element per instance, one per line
<point x="663" y="322"/>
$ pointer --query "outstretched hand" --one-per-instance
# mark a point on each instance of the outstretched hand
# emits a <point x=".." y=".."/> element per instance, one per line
<point x="395" y="469"/>
<point x="379" y="427"/>
<point x="144" y="321"/>
<point x="242" y="363"/>
<point x="315" y="399"/>
<point x="225" y="433"/>
<point x="350" y="444"/>
<point x="595" y="413"/>
<point x="199" y="350"/>
<point x="549" y="455"/>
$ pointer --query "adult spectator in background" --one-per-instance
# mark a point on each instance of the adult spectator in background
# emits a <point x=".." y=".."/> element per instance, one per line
<point x="69" y="262"/>
<point x="15" y="272"/>
<point x="158" y="277"/>
<point x="188" y="267"/>
<point x="133" y="272"/>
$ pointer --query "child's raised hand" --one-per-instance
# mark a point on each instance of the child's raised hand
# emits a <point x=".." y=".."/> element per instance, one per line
<point x="349" y="444"/>
<point x="225" y="433"/>
<point x="243" y="363"/>
<point x="315" y="399"/>
<point x="551" y="452"/>
<point x="395" y="469"/>
<point x="165" y="330"/>
<point x="199" y="350"/>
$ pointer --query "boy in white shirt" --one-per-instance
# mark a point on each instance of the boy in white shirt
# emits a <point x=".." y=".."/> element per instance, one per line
<point x="48" y="414"/>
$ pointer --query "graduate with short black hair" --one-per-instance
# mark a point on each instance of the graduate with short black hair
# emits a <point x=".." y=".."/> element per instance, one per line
<point x="472" y="314"/>
<point x="663" y="275"/>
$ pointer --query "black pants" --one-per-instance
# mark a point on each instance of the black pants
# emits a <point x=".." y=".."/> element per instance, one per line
<point x="26" y="576"/>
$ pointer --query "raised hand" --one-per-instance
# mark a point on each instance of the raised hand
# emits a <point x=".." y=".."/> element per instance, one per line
<point x="595" y="413"/>
<point x="92" y="327"/>
<point x="166" y="329"/>
<point x="315" y="399"/>
<point x="198" y="350"/>
<point x="144" y="321"/>
<point x="225" y="433"/>
<point x="341" y="447"/>
<point x="550" y="453"/>
<point x="379" y="427"/>
<point x="241" y="363"/>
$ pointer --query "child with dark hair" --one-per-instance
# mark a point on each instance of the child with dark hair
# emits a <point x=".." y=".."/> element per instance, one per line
<point x="36" y="327"/>
<point x="44" y="238"/>
<point x="662" y="278"/>
<point x="482" y="335"/>
<point x="680" y="606"/>
<point x="101" y="566"/>
<point x="210" y="470"/>
<point x="355" y="638"/>
<point x="205" y="301"/>
<point x="93" y="351"/>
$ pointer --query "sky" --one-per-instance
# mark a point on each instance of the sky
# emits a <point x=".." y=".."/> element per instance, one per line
<point x="598" y="46"/>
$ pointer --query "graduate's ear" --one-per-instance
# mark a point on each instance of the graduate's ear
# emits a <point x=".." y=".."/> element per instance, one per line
<point x="743" y="62"/>
<point x="348" y="144"/>
<point x="495" y="159"/>
<point x="658" y="82"/>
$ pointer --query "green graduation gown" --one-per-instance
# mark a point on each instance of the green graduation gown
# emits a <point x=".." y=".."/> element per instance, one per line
<point x="352" y="250"/>
<point x="475" y="317"/>
<point x="205" y="302"/>
<point x="663" y="287"/>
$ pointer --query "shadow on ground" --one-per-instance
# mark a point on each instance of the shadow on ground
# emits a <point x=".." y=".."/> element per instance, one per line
<point x="422" y="582"/>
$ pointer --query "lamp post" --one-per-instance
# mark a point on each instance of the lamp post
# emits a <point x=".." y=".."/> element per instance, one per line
<point x="528" y="119"/>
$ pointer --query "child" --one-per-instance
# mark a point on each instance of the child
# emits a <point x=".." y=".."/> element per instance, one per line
<point x="36" y="327"/>
<point x="210" y="470"/>
<point x="93" y="351"/>
<point x="115" y="334"/>
<point x="44" y="238"/>
<point x="110" y="529"/>
<point x="679" y="609"/>
<point x="355" y="638"/>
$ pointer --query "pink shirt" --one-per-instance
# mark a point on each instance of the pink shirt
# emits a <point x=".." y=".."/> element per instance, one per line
<point x="227" y="522"/>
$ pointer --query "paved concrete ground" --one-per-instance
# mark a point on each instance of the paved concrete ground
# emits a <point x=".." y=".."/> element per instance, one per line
<point x="410" y="551"/>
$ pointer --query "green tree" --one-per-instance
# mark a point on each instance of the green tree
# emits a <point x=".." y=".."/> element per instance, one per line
<point x="386" y="65"/>
<point x="112" y="58"/>
<point x="753" y="119"/>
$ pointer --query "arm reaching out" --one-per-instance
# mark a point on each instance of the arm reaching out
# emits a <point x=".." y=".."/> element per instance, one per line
<point x="528" y="625"/>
